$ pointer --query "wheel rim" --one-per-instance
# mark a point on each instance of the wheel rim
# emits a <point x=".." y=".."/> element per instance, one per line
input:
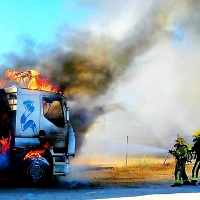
<point x="35" y="172"/>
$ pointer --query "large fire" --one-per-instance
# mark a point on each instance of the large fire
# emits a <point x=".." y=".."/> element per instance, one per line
<point x="5" y="144"/>
<point x="32" y="77"/>
<point x="34" y="153"/>
<point x="32" y="80"/>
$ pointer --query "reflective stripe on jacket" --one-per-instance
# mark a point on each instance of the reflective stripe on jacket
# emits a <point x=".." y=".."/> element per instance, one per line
<point x="181" y="152"/>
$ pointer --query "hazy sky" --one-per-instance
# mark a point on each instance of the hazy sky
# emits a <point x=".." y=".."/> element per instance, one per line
<point x="39" y="20"/>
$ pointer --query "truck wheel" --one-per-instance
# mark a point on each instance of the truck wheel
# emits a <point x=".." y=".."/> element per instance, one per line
<point x="36" y="170"/>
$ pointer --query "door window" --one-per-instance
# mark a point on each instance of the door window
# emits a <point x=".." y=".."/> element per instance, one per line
<point x="52" y="110"/>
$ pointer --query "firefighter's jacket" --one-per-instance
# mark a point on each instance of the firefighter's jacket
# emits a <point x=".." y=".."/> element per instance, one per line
<point x="196" y="149"/>
<point x="181" y="152"/>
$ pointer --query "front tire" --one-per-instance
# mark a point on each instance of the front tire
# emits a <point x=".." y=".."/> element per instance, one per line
<point x="36" y="170"/>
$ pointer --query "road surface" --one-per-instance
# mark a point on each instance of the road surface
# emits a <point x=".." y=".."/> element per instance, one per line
<point x="84" y="191"/>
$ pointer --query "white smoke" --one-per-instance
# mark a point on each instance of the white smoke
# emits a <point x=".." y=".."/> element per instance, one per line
<point x="159" y="94"/>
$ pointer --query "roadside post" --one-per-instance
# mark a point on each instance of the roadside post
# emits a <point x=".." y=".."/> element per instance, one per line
<point x="127" y="150"/>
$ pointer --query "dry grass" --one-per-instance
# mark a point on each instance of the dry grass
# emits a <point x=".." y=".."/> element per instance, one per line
<point x="119" y="171"/>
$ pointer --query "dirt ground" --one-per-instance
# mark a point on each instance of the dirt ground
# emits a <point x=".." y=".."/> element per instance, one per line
<point x="99" y="171"/>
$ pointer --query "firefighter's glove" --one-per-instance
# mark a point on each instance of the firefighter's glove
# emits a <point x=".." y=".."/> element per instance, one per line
<point x="171" y="152"/>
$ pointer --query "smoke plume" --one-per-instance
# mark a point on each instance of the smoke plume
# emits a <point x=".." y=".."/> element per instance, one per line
<point x="140" y="55"/>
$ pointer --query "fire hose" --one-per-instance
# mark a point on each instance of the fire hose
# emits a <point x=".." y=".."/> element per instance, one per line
<point x="168" y="153"/>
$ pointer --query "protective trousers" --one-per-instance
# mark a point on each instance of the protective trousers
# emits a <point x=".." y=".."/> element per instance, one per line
<point x="195" y="171"/>
<point x="180" y="172"/>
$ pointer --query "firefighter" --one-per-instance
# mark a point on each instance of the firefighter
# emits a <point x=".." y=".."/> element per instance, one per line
<point x="190" y="157"/>
<point x="196" y="150"/>
<point x="180" y="153"/>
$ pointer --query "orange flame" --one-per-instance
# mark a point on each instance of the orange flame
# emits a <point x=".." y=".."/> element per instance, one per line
<point x="2" y="83"/>
<point x="46" y="145"/>
<point x="5" y="144"/>
<point x="33" y="78"/>
<point x="34" y="153"/>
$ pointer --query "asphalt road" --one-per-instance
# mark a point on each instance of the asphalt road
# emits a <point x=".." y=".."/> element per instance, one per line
<point x="84" y="191"/>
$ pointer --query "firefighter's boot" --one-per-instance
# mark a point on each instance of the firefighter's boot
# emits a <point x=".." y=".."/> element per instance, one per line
<point x="193" y="183"/>
<point x="176" y="185"/>
<point x="186" y="183"/>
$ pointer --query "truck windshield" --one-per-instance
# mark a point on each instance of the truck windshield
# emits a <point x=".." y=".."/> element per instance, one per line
<point x="52" y="110"/>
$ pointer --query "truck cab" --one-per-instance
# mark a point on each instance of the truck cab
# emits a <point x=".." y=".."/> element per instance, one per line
<point x="37" y="133"/>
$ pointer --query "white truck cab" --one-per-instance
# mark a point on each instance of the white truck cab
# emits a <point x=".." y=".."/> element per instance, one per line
<point x="38" y="133"/>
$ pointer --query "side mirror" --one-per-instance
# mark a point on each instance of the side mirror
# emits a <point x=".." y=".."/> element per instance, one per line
<point x="67" y="114"/>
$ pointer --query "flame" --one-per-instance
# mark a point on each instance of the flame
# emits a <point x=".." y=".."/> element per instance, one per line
<point x="35" y="82"/>
<point x="34" y="153"/>
<point x="46" y="145"/>
<point x="5" y="144"/>
<point x="2" y="83"/>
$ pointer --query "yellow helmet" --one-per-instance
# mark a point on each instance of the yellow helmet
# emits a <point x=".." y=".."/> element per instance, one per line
<point x="196" y="134"/>
<point x="180" y="140"/>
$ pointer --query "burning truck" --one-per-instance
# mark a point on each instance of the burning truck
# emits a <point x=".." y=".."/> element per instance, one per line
<point x="36" y="136"/>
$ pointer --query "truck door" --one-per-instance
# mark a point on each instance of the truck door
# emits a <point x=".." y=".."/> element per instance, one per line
<point x="52" y="122"/>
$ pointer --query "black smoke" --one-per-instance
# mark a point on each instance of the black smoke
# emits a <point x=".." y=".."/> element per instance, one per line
<point x="87" y="65"/>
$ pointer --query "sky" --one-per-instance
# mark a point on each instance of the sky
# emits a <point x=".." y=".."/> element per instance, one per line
<point x="134" y="66"/>
<point x="38" y="20"/>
